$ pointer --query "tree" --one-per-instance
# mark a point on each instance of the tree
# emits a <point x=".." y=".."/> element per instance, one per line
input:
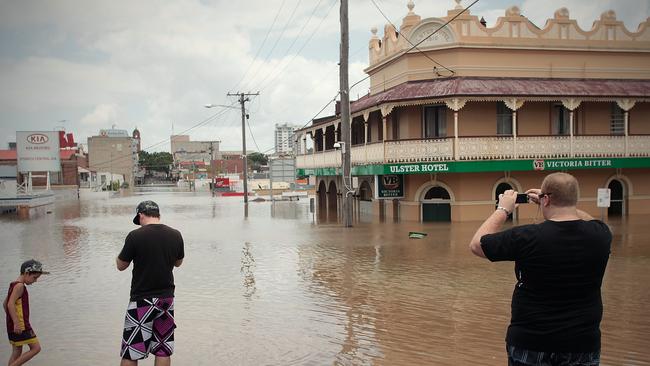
<point x="256" y="159"/>
<point x="156" y="161"/>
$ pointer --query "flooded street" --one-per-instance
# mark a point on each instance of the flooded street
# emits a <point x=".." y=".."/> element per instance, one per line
<point x="276" y="289"/>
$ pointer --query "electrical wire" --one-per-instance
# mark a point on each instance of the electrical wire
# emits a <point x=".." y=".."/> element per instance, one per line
<point x="277" y="40"/>
<point x="409" y="41"/>
<point x="128" y="156"/>
<point x="423" y="39"/>
<point x="270" y="82"/>
<point x="393" y="60"/>
<point x="268" y="32"/>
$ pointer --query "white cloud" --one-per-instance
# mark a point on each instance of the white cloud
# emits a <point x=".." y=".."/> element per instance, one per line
<point x="154" y="64"/>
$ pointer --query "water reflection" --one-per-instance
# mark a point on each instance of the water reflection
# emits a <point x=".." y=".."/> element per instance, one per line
<point x="272" y="288"/>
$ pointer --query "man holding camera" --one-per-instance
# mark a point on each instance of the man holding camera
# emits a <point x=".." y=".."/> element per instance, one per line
<point x="559" y="266"/>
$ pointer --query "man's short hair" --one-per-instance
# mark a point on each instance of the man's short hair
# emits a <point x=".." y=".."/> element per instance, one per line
<point x="563" y="189"/>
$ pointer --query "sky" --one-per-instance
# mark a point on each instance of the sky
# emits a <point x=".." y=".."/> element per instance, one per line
<point x="90" y="65"/>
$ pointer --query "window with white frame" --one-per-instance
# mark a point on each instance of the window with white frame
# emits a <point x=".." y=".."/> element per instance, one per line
<point x="560" y="120"/>
<point x="435" y="124"/>
<point x="504" y="119"/>
<point x="617" y="120"/>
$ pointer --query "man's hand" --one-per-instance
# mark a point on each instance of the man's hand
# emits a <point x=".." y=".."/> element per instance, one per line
<point x="507" y="200"/>
<point x="533" y="195"/>
<point x="17" y="329"/>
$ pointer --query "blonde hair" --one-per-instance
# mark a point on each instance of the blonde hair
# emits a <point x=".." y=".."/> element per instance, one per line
<point x="563" y="189"/>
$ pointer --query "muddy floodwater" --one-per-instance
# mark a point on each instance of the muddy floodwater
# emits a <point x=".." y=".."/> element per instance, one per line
<point x="275" y="288"/>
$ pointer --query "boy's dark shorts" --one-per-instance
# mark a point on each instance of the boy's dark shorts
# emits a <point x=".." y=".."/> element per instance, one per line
<point x="22" y="338"/>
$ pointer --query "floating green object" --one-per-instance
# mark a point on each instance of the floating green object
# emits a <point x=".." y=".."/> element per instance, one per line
<point x="416" y="235"/>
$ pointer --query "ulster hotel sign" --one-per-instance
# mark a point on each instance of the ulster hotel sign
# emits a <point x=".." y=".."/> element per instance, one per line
<point x="488" y="166"/>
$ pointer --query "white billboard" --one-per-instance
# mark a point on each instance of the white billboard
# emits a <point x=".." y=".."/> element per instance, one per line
<point x="38" y="151"/>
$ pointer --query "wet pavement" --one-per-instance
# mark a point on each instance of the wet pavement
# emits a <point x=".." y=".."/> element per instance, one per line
<point x="275" y="288"/>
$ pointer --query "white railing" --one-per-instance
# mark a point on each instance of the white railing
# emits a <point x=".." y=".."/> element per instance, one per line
<point x="599" y="146"/>
<point x="368" y="154"/>
<point x="484" y="148"/>
<point x="543" y="147"/>
<point x="414" y="151"/>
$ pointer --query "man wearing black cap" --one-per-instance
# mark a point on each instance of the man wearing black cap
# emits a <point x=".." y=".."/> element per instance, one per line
<point x="155" y="250"/>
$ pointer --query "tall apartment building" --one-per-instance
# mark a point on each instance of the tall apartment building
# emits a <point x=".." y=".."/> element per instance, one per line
<point x="114" y="151"/>
<point x="284" y="139"/>
<point x="501" y="108"/>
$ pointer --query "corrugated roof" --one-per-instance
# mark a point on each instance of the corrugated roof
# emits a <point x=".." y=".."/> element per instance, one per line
<point x="498" y="87"/>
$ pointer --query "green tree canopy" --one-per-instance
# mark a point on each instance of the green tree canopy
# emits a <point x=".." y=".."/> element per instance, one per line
<point x="256" y="159"/>
<point x="156" y="161"/>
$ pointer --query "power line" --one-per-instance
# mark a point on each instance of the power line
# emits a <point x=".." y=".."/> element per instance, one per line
<point x="409" y="41"/>
<point x="419" y="43"/>
<point x="268" y="32"/>
<point x="264" y="86"/>
<point x="391" y="61"/>
<point x="205" y="121"/>
<point x="278" y="39"/>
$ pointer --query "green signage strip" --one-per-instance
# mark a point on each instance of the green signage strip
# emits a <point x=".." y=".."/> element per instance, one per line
<point x="485" y="166"/>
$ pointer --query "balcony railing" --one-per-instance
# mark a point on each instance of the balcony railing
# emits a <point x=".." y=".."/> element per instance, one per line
<point x="484" y="148"/>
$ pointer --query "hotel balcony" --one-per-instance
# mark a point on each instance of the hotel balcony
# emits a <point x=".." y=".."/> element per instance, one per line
<point x="483" y="149"/>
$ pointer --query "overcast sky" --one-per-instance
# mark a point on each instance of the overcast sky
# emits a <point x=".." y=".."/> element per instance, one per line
<point x="88" y="65"/>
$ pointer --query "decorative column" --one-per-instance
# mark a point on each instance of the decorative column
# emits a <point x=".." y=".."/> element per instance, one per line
<point x="385" y="111"/>
<point x="571" y="105"/>
<point x="324" y="129"/>
<point x="304" y="144"/>
<point x="514" y="104"/>
<point x="626" y="105"/>
<point x="456" y="105"/>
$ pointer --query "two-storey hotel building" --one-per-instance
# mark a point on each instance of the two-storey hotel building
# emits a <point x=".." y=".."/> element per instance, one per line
<point x="475" y="110"/>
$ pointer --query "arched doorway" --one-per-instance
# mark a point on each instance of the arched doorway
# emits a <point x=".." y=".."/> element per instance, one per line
<point x="331" y="200"/>
<point x="436" y="205"/>
<point x="616" y="199"/>
<point x="365" y="199"/>
<point x="502" y="187"/>
<point x="322" y="196"/>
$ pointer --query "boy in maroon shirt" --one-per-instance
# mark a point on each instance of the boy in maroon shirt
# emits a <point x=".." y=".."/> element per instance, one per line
<point x="16" y="307"/>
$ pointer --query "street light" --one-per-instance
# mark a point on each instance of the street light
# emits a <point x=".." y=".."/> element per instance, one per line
<point x="243" y="136"/>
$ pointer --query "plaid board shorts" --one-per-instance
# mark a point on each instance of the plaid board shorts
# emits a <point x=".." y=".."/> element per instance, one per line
<point x="524" y="357"/>
<point x="148" y="328"/>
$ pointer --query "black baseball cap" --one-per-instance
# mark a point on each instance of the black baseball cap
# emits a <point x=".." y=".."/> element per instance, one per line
<point x="147" y="208"/>
<point x="32" y="266"/>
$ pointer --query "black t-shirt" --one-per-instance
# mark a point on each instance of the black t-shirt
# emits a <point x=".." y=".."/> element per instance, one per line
<point x="559" y="265"/>
<point x="154" y="249"/>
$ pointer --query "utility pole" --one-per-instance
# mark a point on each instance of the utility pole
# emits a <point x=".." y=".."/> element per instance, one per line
<point x="345" y="116"/>
<point x="243" y="98"/>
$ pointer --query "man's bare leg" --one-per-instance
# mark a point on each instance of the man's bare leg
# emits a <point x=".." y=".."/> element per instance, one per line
<point x="163" y="361"/>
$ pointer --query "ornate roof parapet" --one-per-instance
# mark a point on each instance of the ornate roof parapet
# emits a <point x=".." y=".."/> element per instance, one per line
<point x="374" y="46"/>
<point x="410" y="19"/>
<point x="513" y="30"/>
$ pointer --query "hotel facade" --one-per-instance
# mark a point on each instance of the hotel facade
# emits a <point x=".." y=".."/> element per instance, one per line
<point x="475" y="110"/>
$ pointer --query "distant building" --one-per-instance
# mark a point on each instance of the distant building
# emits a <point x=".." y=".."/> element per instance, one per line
<point x="183" y="149"/>
<point x="70" y="157"/>
<point x="284" y="139"/>
<point x="114" y="151"/>
<point x="136" y="137"/>
<point x="192" y="157"/>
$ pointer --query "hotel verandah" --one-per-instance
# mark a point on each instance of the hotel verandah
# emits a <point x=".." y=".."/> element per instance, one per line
<point x="512" y="103"/>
